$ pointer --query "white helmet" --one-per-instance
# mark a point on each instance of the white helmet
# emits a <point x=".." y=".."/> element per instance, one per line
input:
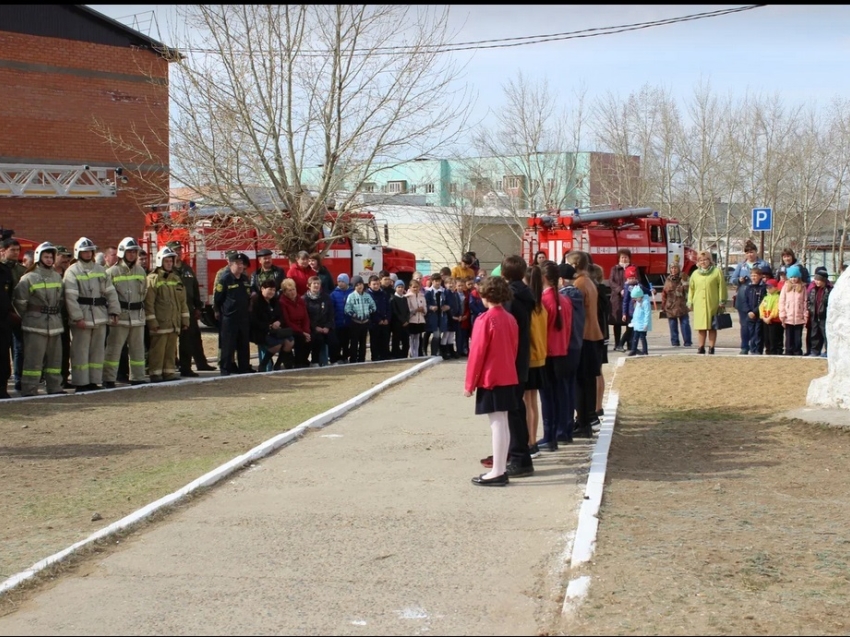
<point x="127" y="243"/>
<point x="84" y="245"/>
<point x="164" y="253"/>
<point x="44" y="247"/>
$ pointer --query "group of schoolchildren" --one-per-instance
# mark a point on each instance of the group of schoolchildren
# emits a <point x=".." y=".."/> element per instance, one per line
<point x="542" y="336"/>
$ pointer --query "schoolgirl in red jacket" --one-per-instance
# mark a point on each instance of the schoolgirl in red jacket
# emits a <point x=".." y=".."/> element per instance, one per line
<point x="491" y="372"/>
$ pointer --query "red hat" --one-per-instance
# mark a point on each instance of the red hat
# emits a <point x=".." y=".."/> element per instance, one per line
<point x="771" y="283"/>
<point x="631" y="271"/>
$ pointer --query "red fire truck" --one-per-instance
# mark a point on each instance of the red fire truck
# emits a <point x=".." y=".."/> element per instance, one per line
<point x="655" y="242"/>
<point x="207" y="234"/>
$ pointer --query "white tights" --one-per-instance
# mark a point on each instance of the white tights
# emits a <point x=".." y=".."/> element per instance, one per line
<point x="447" y="338"/>
<point x="501" y="441"/>
<point x="414" y="345"/>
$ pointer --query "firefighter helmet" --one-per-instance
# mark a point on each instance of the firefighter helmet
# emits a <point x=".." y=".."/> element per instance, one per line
<point x="164" y="253"/>
<point x="127" y="243"/>
<point x="84" y="245"/>
<point x="44" y="247"/>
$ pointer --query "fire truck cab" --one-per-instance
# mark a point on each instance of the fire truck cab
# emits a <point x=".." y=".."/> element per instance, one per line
<point x="207" y="235"/>
<point x="655" y="242"/>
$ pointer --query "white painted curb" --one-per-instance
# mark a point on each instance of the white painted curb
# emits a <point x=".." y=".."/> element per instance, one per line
<point x="210" y="478"/>
<point x="588" y="523"/>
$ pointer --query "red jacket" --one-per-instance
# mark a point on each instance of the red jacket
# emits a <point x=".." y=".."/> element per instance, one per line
<point x="295" y="313"/>
<point x="300" y="276"/>
<point x="492" y="352"/>
<point x="557" y="341"/>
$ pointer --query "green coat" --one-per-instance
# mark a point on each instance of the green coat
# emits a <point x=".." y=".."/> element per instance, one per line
<point x="705" y="294"/>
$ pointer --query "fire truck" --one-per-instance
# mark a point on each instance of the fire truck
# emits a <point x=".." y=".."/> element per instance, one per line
<point x="208" y="233"/>
<point x="655" y="242"/>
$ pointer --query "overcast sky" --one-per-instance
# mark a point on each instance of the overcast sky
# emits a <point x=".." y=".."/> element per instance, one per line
<point x="800" y="52"/>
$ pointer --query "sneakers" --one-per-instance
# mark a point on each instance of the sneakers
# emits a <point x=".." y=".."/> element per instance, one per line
<point x="517" y="471"/>
<point x="743" y="352"/>
<point x="534" y="450"/>
<point x="632" y="353"/>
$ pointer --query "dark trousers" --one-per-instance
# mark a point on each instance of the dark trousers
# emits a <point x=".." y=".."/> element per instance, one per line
<point x="773" y="339"/>
<point x="359" y="332"/>
<point x="463" y="341"/>
<point x="793" y="340"/>
<point x="301" y="351"/>
<point x="618" y="332"/>
<point x="518" y="451"/>
<point x="627" y="338"/>
<point x="817" y="336"/>
<point x="339" y="343"/>
<point x="638" y="338"/>
<point x="187" y="347"/>
<point x="808" y="337"/>
<point x="318" y="343"/>
<point x="401" y="341"/>
<point x="743" y="319"/>
<point x="235" y="339"/>
<point x="123" y="373"/>
<point x="588" y="370"/>
<point x="5" y="353"/>
<point x="379" y="342"/>
<point x="755" y="332"/>
<point x="553" y="408"/>
<point x="423" y="343"/>
<point x="66" y="355"/>
<point x="17" y="353"/>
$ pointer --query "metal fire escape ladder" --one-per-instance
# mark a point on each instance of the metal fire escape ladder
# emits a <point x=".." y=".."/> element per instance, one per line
<point x="40" y="180"/>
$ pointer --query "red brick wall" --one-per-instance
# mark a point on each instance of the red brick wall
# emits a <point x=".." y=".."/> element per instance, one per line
<point x="53" y="89"/>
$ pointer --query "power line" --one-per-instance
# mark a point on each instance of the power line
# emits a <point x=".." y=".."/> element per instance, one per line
<point x="499" y="43"/>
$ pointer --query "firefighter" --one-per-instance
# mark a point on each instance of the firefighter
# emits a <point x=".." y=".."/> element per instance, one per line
<point x="8" y="319"/>
<point x="38" y="299"/>
<point x="190" y="344"/>
<point x="266" y="270"/>
<point x="167" y="316"/>
<point x="130" y="283"/>
<point x="11" y="253"/>
<point x="92" y="303"/>
<point x="63" y="260"/>
<point x="222" y="363"/>
<point x="232" y="310"/>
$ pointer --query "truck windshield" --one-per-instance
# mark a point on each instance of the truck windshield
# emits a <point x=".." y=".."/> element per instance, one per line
<point x="366" y="231"/>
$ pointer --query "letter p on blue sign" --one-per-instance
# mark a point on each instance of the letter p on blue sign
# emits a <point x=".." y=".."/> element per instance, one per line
<point x="762" y="219"/>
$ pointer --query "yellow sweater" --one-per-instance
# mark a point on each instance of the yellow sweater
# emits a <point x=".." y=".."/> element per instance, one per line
<point x="539" y="318"/>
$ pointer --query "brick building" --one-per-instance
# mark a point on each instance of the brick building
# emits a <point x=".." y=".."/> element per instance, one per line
<point x="62" y="67"/>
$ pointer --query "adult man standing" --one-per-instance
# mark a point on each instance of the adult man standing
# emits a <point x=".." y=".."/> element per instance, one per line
<point x="110" y="257"/>
<point x="92" y="303"/>
<point x="266" y="270"/>
<point x="129" y="280"/>
<point x="63" y="260"/>
<point x="190" y="344"/>
<point x="167" y="315"/>
<point x="232" y="310"/>
<point x="11" y="256"/>
<point x="7" y="318"/>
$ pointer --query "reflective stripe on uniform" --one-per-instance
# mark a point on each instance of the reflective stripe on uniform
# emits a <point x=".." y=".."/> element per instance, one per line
<point x="45" y="286"/>
<point x="128" y="277"/>
<point x="52" y="370"/>
<point x="92" y="275"/>
<point x="137" y="363"/>
<point x="31" y="372"/>
<point x="159" y="284"/>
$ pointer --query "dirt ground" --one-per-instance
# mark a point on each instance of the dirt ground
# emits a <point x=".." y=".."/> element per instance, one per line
<point x="720" y="516"/>
<point x="64" y="460"/>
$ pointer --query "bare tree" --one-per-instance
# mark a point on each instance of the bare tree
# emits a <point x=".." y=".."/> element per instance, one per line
<point x="265" y="93"/>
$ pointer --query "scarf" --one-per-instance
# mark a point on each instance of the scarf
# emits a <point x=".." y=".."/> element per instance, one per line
<point x="675" y="278"/>
<point x="706" y="270"/>
<point x="312" y="296"/>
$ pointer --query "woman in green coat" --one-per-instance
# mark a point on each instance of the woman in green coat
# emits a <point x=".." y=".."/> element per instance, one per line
<point x="706" y="296"/>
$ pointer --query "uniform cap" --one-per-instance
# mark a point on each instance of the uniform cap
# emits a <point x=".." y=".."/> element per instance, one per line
<point x="230" y="253"/>
<point x="264" y="252"/>
<point x="63" y="251"/>
<point x="174" y="245"/>
<point x="239" y="256"/>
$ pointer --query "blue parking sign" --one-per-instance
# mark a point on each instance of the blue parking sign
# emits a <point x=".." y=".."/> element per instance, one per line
<point x="762" y="219"/>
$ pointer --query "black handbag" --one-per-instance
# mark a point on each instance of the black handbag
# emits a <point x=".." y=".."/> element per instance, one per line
<point x="721" y="321"/>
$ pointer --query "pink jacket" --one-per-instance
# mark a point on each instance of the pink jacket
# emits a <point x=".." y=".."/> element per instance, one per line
<point x="557" y="341"/>
<point x="792" y="305"/>
<point x="492" y="352"/>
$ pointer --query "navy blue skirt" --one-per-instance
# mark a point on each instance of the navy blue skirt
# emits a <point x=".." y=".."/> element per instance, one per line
<point x="501" y="398"/>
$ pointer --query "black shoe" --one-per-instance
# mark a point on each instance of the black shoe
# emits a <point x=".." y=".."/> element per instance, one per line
<point x="632" y="353"/>
<point x="207" y="368"/>
<point x="518" y="471"/>
<point x="108" y="384"/>
<point x="94" y="387"/>
<point x="138" y="382"/>
<point x="498" y="481"/>
<point x="600" y="412"/>
<point x="4" y="395"/>
<point x="189" y="374"/>
<point x="123" y="379"/>
<point x="711" y="350"/>
<point x="584" y="432"/>
<point x="78" y="389"/>
<point x="17" y="385"/>
<point x="551" y="446"/>
<point x="534" y="451"/>
<point x="701" y="350"/>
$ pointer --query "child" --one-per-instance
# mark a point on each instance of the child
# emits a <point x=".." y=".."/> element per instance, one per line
<point x="537" y="360"/>
<point x="418" y="309"/>
<point x="476" y="305"/>
<point x="491" y="372"/>
<point x="769" y="313"/>
<point x="400" y="317"/>
<point x="359" y="306"/>
<point x="626" y="304"/>
<point x="435" y="319"/>
<point x="448" y="339"/>
<point x="817" y="303"/>
<point x="464" y="326"/>
<point x="379" y="324"/>
<point x="753" y="294"/>
<point x="321" y="313"/>
<point x="341" y="335"/>
<point x="641" y="320"/>
<point x="559" y="317"/>
<point x="792" y="311"/>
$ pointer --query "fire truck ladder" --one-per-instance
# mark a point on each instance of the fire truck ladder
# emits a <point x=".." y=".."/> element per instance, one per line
<point x="40" y="180"/>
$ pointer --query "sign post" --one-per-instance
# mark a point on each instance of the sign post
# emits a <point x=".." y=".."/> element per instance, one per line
<point x="762" y="222"/>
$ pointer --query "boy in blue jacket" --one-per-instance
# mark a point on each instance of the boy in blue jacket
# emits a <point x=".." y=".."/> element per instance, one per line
<point x="338" y="348"/>
<point x="753" y="294"/>
<point x="379" y="324"/>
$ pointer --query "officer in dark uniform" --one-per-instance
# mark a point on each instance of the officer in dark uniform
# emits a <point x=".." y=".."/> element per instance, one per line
<point x="8" y="317"/>
<point x="266" y="270"/>
<point x="231" y="304"/>
<point x="190" y="345"/>
<point x="11" y="252"/>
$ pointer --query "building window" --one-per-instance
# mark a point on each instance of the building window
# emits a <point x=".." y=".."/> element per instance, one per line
<point x="429" y="188"/>
<point x="513" y="181"/>
<point x="369" y="186"/>
<point x="412" y="189"/>
<point x="453" y="188"/>
<point x="397" y="187"/>
<point x="499" y="185"/>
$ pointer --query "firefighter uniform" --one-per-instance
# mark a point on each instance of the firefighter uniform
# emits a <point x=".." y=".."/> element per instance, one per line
<point x="190" y="344"/>
<point x="231" y="302"/>
<point x="130" y="281"/>
<point x="167" y="315"/>
<point x="90" y="297"/>
<point x="38" y="298"/>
